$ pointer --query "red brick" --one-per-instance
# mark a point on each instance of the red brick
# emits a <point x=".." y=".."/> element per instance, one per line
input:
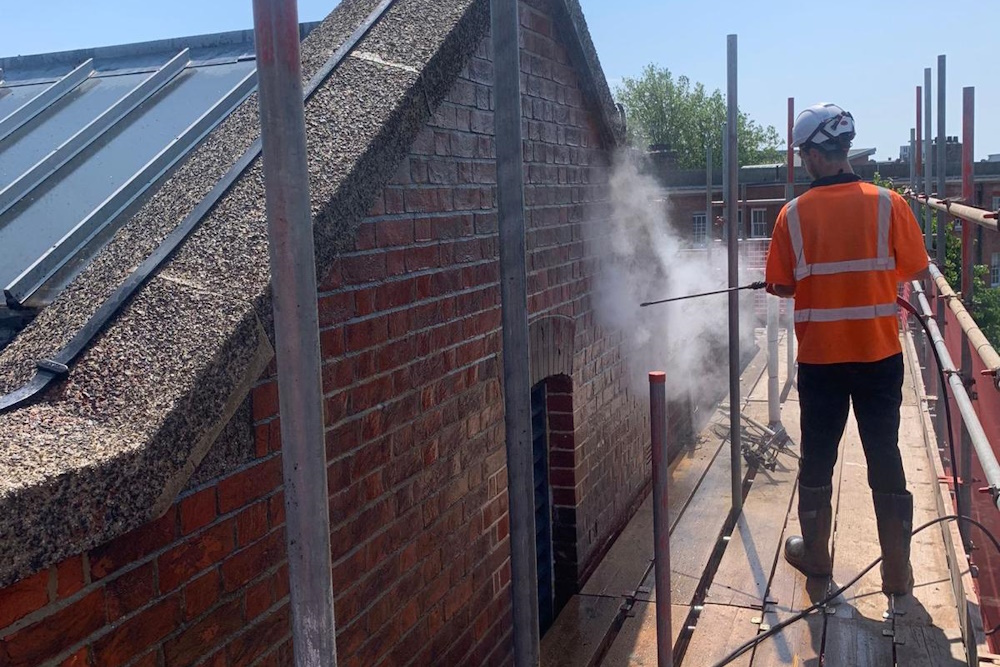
<point x="468" y="199"/>
<point x="70" y="576"/>
<point x="20" y="599"/>
<point x="138" y="633"/>
<point x="201" y="594"/>
<point x="564" y="441"/>
<point x="364" y="268"/>
<point x="503" y="528"/>
<point x="395" y="262"/>
<point x="259" y="639"/>
<point x="334" y="277"/>
<point x="251" y="523"/>
<point x="134" y="545"/>
<point x="394" y="233"/>
<point x="337" y="374"/>
<point x="259" y="598"/>
<point x="394" y="201"/>
<point x="562" y="478"/>
<point x="395" y="294"/>
<point x="265" y="401"/>
<point x="335" y="407"/>
<point x="253" y="561"/>
<point x="560" y="403"/>
<point x="205" y="636"/>
<point x="276" y="509"/>
<point x="364" y="237"/>
<point x="335" y="308"/>
<point x="564" y="459"/>
<point x="331" y="342"/>
<point x="560" y="384"/>
<point x="275" y="436"/>
<point x="407" y="617"/>
<point x="262" y="439"/>
<point x="130" y="591"/>
<point x="199" y="552"/>
<point x="564" y="497"/>
<point x="364" y="300"/>
<point x="249" y="485"/>
<point x="428" y="200"/>
<point x="367" y="333"/>
<point x="49" y="637"/>
<point x="422" y="257"/>
<point x="561" y="422"/>
<point x="198" y="510"/>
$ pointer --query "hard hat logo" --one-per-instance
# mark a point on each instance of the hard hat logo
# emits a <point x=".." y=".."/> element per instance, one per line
<point x="825" y="125"/>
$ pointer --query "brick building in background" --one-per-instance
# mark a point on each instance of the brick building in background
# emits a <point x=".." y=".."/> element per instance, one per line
<point x="141" y="497"/>
<point x="683" y="194"/>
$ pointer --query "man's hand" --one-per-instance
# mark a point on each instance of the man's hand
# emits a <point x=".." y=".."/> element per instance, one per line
<point x="783" y="291"/>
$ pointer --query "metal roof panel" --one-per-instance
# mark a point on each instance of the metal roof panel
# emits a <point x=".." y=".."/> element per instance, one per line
<point x="81" y="185"/>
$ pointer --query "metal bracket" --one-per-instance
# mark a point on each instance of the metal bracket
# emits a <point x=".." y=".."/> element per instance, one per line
<point x="53" y="367"/>
<point x="889" y="617"/>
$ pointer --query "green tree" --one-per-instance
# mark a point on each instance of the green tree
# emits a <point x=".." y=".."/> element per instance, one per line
<point x="662" y="110"/>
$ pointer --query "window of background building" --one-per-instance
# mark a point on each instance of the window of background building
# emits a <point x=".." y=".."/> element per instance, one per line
<point x="698" y="228"/>
<point x="758" y="223"/>
<point x="995" y="270"/>
<point x="996" y="203"/>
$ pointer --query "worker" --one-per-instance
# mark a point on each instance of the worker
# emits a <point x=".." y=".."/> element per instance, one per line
<point x="840" y="250"/>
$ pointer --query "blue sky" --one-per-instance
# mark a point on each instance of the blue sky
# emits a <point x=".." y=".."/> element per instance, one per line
<point x="864" y="56"/>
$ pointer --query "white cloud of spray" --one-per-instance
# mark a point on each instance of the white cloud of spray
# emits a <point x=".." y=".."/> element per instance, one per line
<point x="645" y="258"/>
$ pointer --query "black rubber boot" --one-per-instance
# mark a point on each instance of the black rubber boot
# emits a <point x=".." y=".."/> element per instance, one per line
<point x="810" y="553"/>
<point x="894" y="515"/>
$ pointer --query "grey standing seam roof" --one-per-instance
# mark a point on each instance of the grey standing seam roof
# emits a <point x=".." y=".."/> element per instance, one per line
<point x="86" y="135"/>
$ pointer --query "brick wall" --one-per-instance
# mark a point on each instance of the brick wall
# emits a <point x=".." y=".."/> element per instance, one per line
<point x="410" y="337"/>
<point x="207" y="580"/>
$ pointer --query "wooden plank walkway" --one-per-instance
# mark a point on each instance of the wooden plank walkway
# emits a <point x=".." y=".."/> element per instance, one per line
<point x="927" y="630"/>
<point x="753" y="585"/>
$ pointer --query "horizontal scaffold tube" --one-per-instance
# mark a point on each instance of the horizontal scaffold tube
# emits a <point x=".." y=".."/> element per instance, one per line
<point x="988" y="459"/>
<point x="976" y="336"/>
<point x="983" y="218"/>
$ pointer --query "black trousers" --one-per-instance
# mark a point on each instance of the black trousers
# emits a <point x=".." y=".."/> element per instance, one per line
<point x="825" y="394"/>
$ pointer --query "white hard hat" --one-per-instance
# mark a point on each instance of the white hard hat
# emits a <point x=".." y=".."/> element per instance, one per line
<point x="823" y="123"/>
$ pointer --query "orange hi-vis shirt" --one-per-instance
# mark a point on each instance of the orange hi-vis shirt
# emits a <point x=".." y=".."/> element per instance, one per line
<point x="845" y="247"/>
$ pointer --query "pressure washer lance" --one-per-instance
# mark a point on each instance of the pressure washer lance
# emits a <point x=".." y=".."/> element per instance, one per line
<point x="751" y="286"/>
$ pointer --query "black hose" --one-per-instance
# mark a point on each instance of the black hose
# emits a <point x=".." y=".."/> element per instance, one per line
<point x="943" y="398"/>
<point x="746" y="646"/>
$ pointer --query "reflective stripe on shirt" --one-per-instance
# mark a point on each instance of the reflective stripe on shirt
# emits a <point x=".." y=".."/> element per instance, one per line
<point x="840" y="314"/>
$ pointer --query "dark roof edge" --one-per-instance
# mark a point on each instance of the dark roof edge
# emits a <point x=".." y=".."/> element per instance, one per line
<point x="172" y="45"/>
<point x="595" y="84"/>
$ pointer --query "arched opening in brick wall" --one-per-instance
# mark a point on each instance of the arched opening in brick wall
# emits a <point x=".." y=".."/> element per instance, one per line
<point x="554" y="441"/>
<point x="553" y="445"/>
